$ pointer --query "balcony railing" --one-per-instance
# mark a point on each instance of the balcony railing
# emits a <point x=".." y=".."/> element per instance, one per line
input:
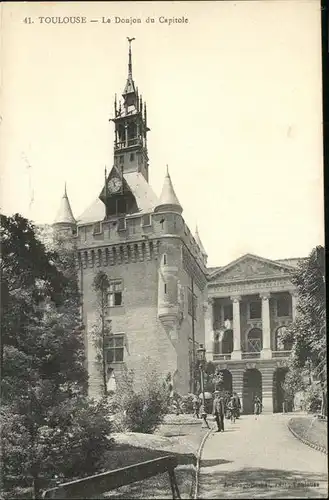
<point x="280" y="354"/>
<point x="135" y="141"/>
<point x="221" y="357"/>
<point x="250" y="355"/>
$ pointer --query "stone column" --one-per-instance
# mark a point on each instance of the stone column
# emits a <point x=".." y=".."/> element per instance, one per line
<point x="294" y="302"/>
<point x="209" y="328"/>
<point x="267" y="388"/>
<point x="236" y="354"/>
<point x="221" y="324"/>
<point x="266" y="327"/>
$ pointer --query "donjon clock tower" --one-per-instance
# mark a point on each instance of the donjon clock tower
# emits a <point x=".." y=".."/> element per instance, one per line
<point x="155" y="302"/>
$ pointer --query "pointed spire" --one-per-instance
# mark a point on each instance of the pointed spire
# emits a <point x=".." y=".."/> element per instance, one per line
<point x="130" y="66"/>
<point x="130" y="85"/>
<point x="168" y="199"/>
<point x="199" y="242"/>
<point x="64" y="214"/>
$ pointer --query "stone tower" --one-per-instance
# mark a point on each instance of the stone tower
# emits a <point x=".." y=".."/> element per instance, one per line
<point x="155" y="267"/>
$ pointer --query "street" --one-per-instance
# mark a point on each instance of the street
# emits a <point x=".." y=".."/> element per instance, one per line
<point x="261" y="459"/>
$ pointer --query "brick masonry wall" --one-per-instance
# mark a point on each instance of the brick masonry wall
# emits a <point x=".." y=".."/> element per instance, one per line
<point x="136" y="318"/>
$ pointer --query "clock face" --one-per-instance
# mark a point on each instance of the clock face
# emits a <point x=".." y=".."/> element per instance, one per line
<point x="114" y="184"/>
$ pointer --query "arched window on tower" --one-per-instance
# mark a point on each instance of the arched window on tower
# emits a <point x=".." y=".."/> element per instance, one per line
<point x="121" y="133"/>
<point x="132" y="131"/>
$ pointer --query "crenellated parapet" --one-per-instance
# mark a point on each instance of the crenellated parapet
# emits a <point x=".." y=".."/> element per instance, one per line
<point x="129" y="229"/>
<point x="113" y="255"/>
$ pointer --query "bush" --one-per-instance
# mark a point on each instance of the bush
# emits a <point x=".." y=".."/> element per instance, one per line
<point x="312" y="399"/>
<point x="69" y="444"/>
<point x="142" y="410"/>
<point x="187" y="403"/>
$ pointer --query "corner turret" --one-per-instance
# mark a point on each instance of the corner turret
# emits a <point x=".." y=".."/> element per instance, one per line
<point x="168" y="289"/>
<point x="168" y="199"/>
<point x="65" y="222"/>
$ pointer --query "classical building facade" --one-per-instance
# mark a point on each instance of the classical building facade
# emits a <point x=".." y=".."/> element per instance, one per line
<point x="155" y="267"/>
<point x="251" y="301"/>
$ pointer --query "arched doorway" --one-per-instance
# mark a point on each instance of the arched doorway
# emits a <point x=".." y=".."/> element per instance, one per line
<point x="227" y="342"/>
<point x="279" y="394"/>
<point x="255" y="342"/>
<point x="252" y="387"/>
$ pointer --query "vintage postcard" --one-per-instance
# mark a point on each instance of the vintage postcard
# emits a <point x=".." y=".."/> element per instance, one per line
<point x="162" y="250"/>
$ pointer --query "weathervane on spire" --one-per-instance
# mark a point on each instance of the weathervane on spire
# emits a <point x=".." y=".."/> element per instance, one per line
<point x="129" y="60"/>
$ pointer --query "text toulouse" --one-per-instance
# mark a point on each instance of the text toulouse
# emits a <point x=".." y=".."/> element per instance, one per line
<point x="115" y="20"/>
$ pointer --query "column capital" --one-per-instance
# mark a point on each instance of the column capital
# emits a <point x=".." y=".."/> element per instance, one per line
<point x="235" y="298"/>
<point x="210" y="301"/>
<point x="293" y="293"/>
<point x="265" y="295"/>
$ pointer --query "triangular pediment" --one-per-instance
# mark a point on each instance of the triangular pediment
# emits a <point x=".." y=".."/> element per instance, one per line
<point x="251" y="267"/>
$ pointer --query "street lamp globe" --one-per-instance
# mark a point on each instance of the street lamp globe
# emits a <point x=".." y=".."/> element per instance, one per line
<point x="201" y="353"/>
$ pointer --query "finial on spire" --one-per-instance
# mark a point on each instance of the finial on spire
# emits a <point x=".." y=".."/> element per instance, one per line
<point x="167" y="170"/>
<point x="130" y="68"/>
<point x="65" y="191"/>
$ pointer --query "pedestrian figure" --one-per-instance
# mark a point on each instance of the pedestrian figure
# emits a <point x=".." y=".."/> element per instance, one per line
<point x="257" y="407"/>
<point x="196" y="407"/>
<point x="238" y="404"/>
<point x="232" y="407"/>
<point x="285" y="406"/>
<point x="204" y="415"/>
<point x="219" y="411"/>
<point x="226" y="399"/>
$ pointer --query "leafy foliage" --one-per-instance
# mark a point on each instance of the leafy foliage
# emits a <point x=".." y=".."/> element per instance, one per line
<point x="213" y="377"/>
<point x="143" y="409"/>
<point x="308" y="331"/>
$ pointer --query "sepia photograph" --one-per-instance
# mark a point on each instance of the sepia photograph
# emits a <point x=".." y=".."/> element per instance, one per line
<point x="163" y="313"/>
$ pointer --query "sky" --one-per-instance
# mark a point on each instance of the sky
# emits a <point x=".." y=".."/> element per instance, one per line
<point x="234" y="107"/>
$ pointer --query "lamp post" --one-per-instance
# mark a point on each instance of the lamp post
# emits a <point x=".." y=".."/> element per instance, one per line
<point x="201" y="356"/>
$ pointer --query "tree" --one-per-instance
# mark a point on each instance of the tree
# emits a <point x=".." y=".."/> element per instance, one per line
<point x="102" y="329"/>
<point x="308" y="332"/>
<point x="213" y="377"/>
<point x="49" y="426"/>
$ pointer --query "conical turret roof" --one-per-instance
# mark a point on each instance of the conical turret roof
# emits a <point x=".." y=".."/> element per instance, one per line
<point x="168" y="198"/>
<point x="64" y="214"/>
<point x="199" y="242"/>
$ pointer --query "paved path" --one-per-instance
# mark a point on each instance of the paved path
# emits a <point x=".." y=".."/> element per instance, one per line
<point x="261" y="459"/>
